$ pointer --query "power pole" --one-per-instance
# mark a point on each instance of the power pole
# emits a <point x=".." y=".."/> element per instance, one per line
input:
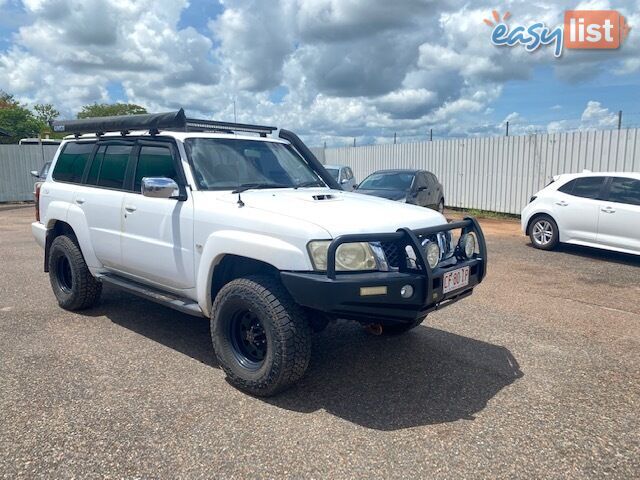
<point x="431" y="134"/>
<point x="394" y="138"/>
<point x="235" y="119"/>
<point x="619" y="119"/>
<point x="507" y="129"/>
<point x="354" y="141"/>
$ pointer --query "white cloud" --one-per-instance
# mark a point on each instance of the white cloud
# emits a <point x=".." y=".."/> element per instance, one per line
<point x="597" y="116"/>
<point x="350" y="67"/>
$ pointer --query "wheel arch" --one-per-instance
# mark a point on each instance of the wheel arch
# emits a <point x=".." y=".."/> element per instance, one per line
<point x="537" y="215"/>
<point x="55" y="228"/>
<point x="228" y="267"/>
<point x="79" y="230"/>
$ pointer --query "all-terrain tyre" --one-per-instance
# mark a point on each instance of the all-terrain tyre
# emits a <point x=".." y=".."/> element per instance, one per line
<point x="261" y="337"/>
<point x="73" y="285"/>
<point x="400" y="328"/>
<point x="543" y="232"/>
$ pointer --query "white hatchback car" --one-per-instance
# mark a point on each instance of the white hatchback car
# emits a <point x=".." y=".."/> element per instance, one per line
<point x="599" y="210"/>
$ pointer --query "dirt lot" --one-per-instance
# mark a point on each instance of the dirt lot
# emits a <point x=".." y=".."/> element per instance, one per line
<point x="536" y="375"/>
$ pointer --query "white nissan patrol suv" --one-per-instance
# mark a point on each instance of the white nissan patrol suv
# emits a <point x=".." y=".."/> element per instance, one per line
<point x="228" y="222"/>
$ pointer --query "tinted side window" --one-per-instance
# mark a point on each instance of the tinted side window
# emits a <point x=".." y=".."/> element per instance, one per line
<point x="92" y="178"/>
<point x="71" y="162"/>
<point x="348" y="173"/>
<point x="114" y="165"/>
<point x="625" y="190"/>
<point x="154" y="162"/>
<point x="586" y="187"/>
<point x="422" y="179"/>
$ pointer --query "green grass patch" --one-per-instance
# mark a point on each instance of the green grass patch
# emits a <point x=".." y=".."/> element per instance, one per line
<point x="474" y="212"/>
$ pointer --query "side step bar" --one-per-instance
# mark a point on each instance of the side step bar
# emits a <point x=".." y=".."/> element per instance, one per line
<point x="184" y="305"/>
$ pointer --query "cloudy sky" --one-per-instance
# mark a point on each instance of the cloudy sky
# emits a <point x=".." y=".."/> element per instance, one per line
<point x="329" y="69"/>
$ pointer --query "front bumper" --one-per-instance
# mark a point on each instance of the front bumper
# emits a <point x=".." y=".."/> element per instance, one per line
<point x="339" y="294"/>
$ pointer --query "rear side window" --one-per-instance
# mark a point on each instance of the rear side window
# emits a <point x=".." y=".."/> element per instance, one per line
<point x="71" y="162"/>
<point x="114" y="166"/>
<point x="625" y="190"/>
<point x="348" y="173"/>
<point x="154" y="162"/>
<point x="585" y="187"/>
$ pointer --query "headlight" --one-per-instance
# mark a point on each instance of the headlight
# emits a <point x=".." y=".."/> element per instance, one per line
<point x="349" y="256"/>
<point x="433" y="253"/>
<point x="467" y="245"/>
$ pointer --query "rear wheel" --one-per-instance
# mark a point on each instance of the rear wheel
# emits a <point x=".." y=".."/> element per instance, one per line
<point x="261" y="337"/>
<point x="72" y="283"/>
<point x="544" y="233"/>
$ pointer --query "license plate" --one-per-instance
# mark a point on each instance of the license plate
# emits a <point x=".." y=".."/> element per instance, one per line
<point x="454" y="280"/>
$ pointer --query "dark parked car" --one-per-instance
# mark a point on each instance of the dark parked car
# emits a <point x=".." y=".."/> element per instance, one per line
<point x="417" y="187"/>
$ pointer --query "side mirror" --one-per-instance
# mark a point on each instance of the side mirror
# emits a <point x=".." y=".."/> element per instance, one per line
<point x="159" y="187"/>
<point x="355" y="186"/>
<point x="421" y="189"/>
<point x="35" y="173"/>
<point x="343" y="181"/>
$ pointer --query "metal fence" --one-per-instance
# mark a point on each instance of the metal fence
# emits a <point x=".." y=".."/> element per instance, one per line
<point x="16" y="161"/>
<point x="501" y="173"/>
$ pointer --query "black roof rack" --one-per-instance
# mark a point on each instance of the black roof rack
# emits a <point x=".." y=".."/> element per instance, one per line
<point x="154" y="122"/>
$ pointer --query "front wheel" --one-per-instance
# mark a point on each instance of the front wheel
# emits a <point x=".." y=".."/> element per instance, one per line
<point x="261" y="337"/>
<point x="544" y="233"/>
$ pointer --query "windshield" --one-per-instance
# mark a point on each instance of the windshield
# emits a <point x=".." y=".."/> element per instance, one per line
<point x="387" y="181"/>
<point x="225" y="164"/>
<point x="335" y="172"/>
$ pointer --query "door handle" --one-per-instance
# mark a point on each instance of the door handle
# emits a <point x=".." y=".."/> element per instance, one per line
<point x="130" y="208"/>
<point x="608" y="210"/>
<point x="80" y="201"/>
<point x="562" y="203"/>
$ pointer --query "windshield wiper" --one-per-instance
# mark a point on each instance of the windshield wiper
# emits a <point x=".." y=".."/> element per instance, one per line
<point x="312" y="183"/>
<point x="251" y="186"/>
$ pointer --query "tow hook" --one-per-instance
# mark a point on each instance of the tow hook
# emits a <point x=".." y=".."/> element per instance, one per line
<point x="374" y="329"/>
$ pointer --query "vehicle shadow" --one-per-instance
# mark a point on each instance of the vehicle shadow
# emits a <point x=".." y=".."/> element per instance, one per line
<point x="597" y="254"/>
<point x="181" y="332"/>
<point x="427" y="376"/>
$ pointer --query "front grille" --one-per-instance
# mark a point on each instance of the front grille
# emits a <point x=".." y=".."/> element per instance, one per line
<point x="392" y="252"/>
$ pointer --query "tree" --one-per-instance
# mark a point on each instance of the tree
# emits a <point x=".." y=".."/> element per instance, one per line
<point x="20" y="123"/>
<point x="45" y="112"/>
<point x="109" y="109"/>
<point x="7" y="100"/>
<point x="17" y="120"/>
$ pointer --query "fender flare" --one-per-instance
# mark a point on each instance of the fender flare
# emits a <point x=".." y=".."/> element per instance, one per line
<point x="273" y="251"/>
<point x="75" y="218"/>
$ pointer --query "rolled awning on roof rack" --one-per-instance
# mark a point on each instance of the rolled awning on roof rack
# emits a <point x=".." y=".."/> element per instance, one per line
<point x="176" y="121"/>
<point x="122" y="123"/>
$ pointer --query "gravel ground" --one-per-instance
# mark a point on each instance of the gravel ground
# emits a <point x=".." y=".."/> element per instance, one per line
<point x="537" y="375"/>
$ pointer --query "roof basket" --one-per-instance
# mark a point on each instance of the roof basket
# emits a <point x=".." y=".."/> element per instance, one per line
<point x="154" y="122"/>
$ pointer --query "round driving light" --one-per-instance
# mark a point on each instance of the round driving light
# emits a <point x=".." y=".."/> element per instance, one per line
<point x="468" y="245"/>
<point x="406" y="291"/>
<point x="433" y="253"/>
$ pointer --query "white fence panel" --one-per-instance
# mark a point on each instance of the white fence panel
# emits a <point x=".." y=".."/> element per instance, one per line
<point x="16" y="161"/>
<point x="500" y="173"/>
